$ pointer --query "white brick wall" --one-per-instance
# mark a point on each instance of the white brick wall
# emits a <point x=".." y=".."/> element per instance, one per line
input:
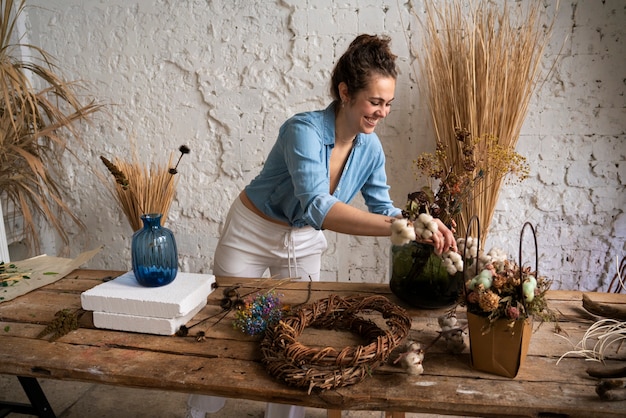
<point x="221" y="76"/>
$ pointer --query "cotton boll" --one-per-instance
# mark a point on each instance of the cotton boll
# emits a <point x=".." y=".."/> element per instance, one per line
<point x="412" y="362"/>
<point x="485" y="277"/>
<point x="399" y="225"/>
<point x="472" y="283"/>
<point x="425" y="218"/>
<point x="432" y="226"/>
<point x="455" y="257"/>
<point x="447" y="321"/>
<point x="398" y="240"/>
<point x="427" y="234"/>
<point x="402" y="232"/>
<point x="416" y="369"/>
<point x="528" y="288"/>
<point x="455" y="343"/>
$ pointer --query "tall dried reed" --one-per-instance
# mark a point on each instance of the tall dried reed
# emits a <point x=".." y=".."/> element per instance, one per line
<point x="479" y="66"/>
<point x="35" y="128"/>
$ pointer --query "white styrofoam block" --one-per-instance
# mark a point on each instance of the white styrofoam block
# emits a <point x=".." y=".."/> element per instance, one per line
<point x="143" y="324"/>
<point x="124" y="295"/>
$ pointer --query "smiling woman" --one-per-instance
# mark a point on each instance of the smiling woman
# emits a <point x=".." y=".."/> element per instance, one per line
<point x="320" y="161"/>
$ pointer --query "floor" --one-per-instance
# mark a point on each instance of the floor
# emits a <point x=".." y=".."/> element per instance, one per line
<point x="88" y="400"/>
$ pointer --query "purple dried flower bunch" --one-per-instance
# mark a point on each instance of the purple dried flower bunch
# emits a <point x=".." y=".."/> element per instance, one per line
<point x="258" y="312"/>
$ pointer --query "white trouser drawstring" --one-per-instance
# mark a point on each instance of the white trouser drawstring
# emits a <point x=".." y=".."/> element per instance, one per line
<point x="292" y="261"/>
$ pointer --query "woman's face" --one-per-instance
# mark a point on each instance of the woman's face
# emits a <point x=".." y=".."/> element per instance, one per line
<point x="372" y="104"/>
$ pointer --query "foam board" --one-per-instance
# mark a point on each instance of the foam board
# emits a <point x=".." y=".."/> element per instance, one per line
<point x="124" y="295"/>
<point x="143" y="324"/>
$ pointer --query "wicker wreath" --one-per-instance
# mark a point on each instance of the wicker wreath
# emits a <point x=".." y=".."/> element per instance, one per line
<point x="298" y="365"/>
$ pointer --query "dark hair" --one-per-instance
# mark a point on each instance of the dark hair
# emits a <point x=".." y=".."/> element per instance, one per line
<point x="366" y="56"/>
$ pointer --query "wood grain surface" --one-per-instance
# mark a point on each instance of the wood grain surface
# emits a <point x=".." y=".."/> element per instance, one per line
<point x="228" y="363"/>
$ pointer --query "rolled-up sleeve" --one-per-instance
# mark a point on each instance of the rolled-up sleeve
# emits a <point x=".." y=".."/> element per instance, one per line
<point x="307" y="164"/>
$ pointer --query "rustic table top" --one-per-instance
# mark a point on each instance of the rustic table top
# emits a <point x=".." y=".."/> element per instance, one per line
<point x="228" y="363"/>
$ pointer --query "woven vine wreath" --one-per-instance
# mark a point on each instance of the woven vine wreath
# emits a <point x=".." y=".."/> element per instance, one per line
<point x="298" y="365"/>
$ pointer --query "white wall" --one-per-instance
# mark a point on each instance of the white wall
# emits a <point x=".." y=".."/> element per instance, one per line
<point x="221" y="76"/>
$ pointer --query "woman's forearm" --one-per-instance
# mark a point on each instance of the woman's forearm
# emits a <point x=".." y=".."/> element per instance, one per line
<point x="347" y="219"/>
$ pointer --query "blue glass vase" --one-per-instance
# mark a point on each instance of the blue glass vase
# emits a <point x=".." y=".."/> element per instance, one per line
<point x="154" y="253"/>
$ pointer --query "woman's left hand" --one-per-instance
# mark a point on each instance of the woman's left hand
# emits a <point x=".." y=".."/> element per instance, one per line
<point x="443" y="239"/>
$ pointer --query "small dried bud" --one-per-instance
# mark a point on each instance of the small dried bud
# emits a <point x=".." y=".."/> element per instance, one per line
<point x="184" y="149"/>
<point x="119" y="177"/>
<point x="473" y="297"/>
<point x="512" y="312"/>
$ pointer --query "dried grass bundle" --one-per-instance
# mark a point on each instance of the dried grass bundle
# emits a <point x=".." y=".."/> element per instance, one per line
<point x="35" y="126"/>
<point x="479" y="69"/>
<point x="140" y="189"/>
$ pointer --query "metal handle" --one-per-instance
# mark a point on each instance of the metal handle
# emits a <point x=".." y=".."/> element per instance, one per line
<point x="521" y="276"/>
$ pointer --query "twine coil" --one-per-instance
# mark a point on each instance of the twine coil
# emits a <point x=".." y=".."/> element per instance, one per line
<point x="298" y="365"/>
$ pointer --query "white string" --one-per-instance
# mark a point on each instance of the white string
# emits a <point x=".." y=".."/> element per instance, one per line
<point x="291" y="254"/>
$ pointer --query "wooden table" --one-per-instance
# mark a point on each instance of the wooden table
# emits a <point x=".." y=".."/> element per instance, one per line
<point x="228" y="363"/>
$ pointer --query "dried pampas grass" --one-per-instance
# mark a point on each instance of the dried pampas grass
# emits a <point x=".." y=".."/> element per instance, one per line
<point x="36" y="126"/>
<point x="479" y="68"/>
<point x="140" y="189"/>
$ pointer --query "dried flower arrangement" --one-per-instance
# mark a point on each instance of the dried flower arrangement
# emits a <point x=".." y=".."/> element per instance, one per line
<point x="479" y="68"/>
<point x="504" y="290"/>
<point x="452" y="187"/>
<point x="254" y="311"/>
<point x="497" y="287"/>
<point x="140" y="189"/>
<point x="419" y="276"/>
<point x="35" y="128"/>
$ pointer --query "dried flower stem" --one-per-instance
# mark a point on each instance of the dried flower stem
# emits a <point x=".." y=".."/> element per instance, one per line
<point x="597" y="339"/>
<point x="140" y="190"/>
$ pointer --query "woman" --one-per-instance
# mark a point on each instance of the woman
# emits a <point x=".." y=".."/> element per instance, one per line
<point x="320" y="161"/>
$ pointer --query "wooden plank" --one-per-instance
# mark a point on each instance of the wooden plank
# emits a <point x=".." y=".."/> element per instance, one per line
<point x="602" y="297"/>
<point x="430" y="393"/>
<point x="448" y="386"/>
<point x="606" y="305"/>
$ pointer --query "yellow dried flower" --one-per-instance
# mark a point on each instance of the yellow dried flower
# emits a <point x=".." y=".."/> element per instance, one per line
<point x="499" y="281"/>
<point x="488" y="301"/>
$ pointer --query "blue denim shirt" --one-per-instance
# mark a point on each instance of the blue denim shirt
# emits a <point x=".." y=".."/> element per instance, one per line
<point x="294" y="184"/>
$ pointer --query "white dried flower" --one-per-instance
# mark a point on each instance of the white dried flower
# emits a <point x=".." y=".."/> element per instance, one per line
<point x="402" y="232"/>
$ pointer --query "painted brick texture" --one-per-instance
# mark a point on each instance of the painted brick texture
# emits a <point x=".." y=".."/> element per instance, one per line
<point x="221" y="76"/>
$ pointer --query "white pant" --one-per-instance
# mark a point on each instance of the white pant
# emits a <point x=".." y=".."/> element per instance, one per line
<point x="248" y="246"/>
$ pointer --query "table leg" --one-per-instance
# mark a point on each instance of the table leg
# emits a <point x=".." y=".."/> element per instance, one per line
<point x="40" y="405"/>
<point x="394" y="414"/>
<point x="333" y="413"/>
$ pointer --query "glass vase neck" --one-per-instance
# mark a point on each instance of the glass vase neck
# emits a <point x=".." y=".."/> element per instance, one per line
<point x="151" y="220"/>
